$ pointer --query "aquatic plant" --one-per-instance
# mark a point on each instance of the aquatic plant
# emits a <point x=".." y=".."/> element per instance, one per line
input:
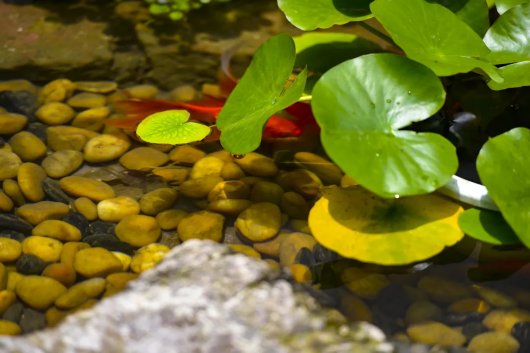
<point x="176" y="9"/>
<point x="385" y="118"/>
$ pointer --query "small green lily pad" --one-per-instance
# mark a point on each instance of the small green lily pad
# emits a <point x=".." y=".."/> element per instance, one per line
<point x="360" y="225"/>
<point x="503" y="168"/>
<point x="171" y="127"/>
<point x="487" y="226"/>
<point x="515" y="75"/>
<point x="504" y="5"/>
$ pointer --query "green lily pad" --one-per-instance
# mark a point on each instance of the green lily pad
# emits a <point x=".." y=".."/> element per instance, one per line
<point x="515" y="75"/>
<point x="503" y="168"/>
<point x="487" y="226"/>
<point x="473" y="12"/>
<point x="509" y="38"/>
<point x="171" y="127"/>
<point x="360" y="106"/>
<point x="359" y="225"/>
<point x="263" y="90"/>
<point x="324" y="13"/>
<point x="504" y="5"/>
<point x="437" y="38"/>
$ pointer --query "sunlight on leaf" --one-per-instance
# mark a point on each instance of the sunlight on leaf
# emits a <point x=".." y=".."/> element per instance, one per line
<point x="359" y="225"/>
<point x="360" y="118"/>
<point x="171" y="127"/>
<point x="487" y="226"/>
<point x="473" y="12"/>
<point x="504" y="5"/>
<point x="262" y="91"/>
<point x="503" y="168"/>
<point x="515" y="75"/>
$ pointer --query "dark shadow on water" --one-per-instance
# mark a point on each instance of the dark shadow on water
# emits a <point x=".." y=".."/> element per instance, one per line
<point x="353" y="8"/>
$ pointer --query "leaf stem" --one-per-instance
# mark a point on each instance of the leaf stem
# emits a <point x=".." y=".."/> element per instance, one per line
<point x="377" y="32"/>
<point x="305" y="98"/>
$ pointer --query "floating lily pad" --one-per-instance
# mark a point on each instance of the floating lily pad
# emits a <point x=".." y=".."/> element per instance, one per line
<point x="504" y="5"/>
<point x="473" y="12"/>
<point x="171" y="127"/>
<point x="359" y="225"/>
<point x="487" y="226"/>
<point x="515" y="75"/>
<point x="360" y="106"/>
<point x="503" y="168"/>
<point x="509" y="37"/>
<point x="263" y="90"/>
<point x="434" y="36"/>
<point x="324" y="13"/>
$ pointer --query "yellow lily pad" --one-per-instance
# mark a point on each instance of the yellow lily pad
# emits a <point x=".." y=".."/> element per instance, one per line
<point x="360" y="225"/>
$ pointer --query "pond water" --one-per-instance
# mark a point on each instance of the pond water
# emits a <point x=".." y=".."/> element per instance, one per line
<point x="86" y="207"/>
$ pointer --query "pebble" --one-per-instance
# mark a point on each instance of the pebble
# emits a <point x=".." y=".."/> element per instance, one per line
<point x="138" y="230"/>
<point x="245" y="249"/>
<point x="231" y="207"/>
<point x="28" y="264"/>
<point x="3" y="277"/>
<point x="117" y="282"/>
<point x="322" y="254"/>
<point x="92" y="119"/>
<point x="56" y="90"/>
<point x="142" y="158"/>
<point x="294" y="205"/>
<point x="14" y="223"/>
<point x="354" y="308"/>
<point x="301" y="273"/>
<point x="170" y="219"/>
<point x="110" y="243"/>
<point x="32" y="320"/>
<point x="53" y="191"/>
<point x="271" y="247"/>
<point x="521" y="332"/>
<point x="12" y="190"/>
<point x="148" y="257"/>
<point x="27" y="146"/>
<point x="471" y="329"/>
<point x="362" y="283"/>
<point x="469" y="305"/>
<point x="207" y="166"/>
<point x="70" y="249"/>
<point x="18" y="85"/>
<point x="291" y="246"/>
<point x="105" y="147"/>
<point x="9" y="328"/>
<point x="30" y="177"/>
<point x="493" y="342"/>
<point x="45" y="248"/>
<point x="422" y="310"/>
<point x="173" y="175"/>
<point x="201" y="225"/>
<point x="199" y="188"/>
<point x="55" y="113"/>
<point x="327" y="171"/>
<point x="158" y="200"/>
<point x="100" y="227"/>
<point x="302" y="181"/>
<point x="79" y="221"/>
<point x="232" y="171"/>
<point x="232" y="189"/>
<point x="6" y="204"/>
<point x="10" y="250"/>
<point x="185" y="154"/>
<point x="124" y="258"/>
<point x="86" y="207"/>
<point x="39" y="292"/>
<point x="68" y="137"/>
<point x="81" y="186"/>
<point x="117" y="208"/>
<point x="144" y="91"/>
<point x="266" y="191"/>
<point x="14" y="312"/>
<point x="59" y="230"/>
<point x="435" y="333"/>
<point x="10" y="163"/>
<point x="11" y="123"/>
<point x="12" y="234"/>
<point x="54" y="316"/>
<point x="20" y="102"/>
<point x="259" y="222"/>
<point x="62" y="163"/>
<point x="504" y="320"/>
<point x="81" y="292"/>
<point x="96" y="86"/>
<point x="495" y="297"/>
<point x="258" y="165"/>
<point x="7" y="298"/>
<point x="96" y="262"/>
<point x="38" y="212"/>
<point x="443" y="290"/>
<point x="60" y="272"/>
<point x="87" y="100"/>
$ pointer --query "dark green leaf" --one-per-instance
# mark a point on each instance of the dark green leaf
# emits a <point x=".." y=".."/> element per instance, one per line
<point x="473" y="12"/>
<point x="434" y="36"/>
<point x="509" y="37"/>
<point x="503" y="168"/>
<point x="487" y="226"/>
<point x="171" y="127"/>
<point x="262" y="91"/>
<point x="324" y="13"/>
<point x="360" y="105"/>
<point x="515" y="75"/>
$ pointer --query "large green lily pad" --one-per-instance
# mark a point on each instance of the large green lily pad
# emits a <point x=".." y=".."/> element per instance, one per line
<point x="515" y="75"/>
<point x="509" y="37"/>
<point x="504" y="5"/>
<point x="263" y="90"/>
<point x="487" y="226"/>
<point x="360" y="106"/>
<point x="434" y="36"/>
<point x="324" y="13"/>
<point x="359" y="225"/>
<point x="171" y="127"/>
<point x="503" y="168"/>
<point x="473" y="12"/>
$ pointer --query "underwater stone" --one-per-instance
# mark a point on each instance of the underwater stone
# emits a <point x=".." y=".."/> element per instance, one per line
<point x="13" y="312"/>
<point x="32" y="320"/>
<point x="53" y="191"/>
<point x="29" y="264"/>
<point x="100" y="227"/>
<point x="521" y="331"/>
<point x="79" y="221"/>
<point x="20" y="102"/>
<point x="12" y="222"/>
<point x="12" y="234"/>
<point x="493" y="342"/>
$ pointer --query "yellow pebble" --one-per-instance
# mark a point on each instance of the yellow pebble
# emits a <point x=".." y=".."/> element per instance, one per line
<point x="124" y="258"/>
<point x="81" y="292"/>
<point x="35" y="213"/>
<point x="39" y="292"/>
<point x="245" y="249"/>
<point x="116" y="282"/>
<point x="96" y="262"/>
<point x="60" y="272"/>
<point x="12" y="279"/>
<point x="87" y="100"/>
<point x="54" y="316"/>
<point x="271" y="247"/>
<point x="7" y="297"/>
<point x="6" y="204"/>
<point x="117" y="208"/>
<point x="47" y="249"/>
<point x="170" y="219"/>
<point x="138" y="230"/>
<point x="275" y="265"/>
<point x="301" y="273"/>
<point x="86" y="207"/>
<point x="3" y="276"/>
<point x="9" y="328"/>
<point x="12" y="190"/>
<point x="158" y="200"/>
<point x="292" y="244"/>
<point x="56" y="91"/>
<point x="185" y="154"/>
<point x="94" y="189"/>
<point x="11" y="123"/>
<point x="27" y="146"/>
<point x="30" y="177"/>
<point x="148" y="257"/>
<point x="59" y="230"/>
<point x="469" y="305"/>
<point x="69" y="251"/>
<point x="55" y="113"/>
<point x="10" y="250"/>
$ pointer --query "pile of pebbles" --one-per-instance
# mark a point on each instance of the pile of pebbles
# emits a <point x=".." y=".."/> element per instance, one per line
<point x="85" y="208"/>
